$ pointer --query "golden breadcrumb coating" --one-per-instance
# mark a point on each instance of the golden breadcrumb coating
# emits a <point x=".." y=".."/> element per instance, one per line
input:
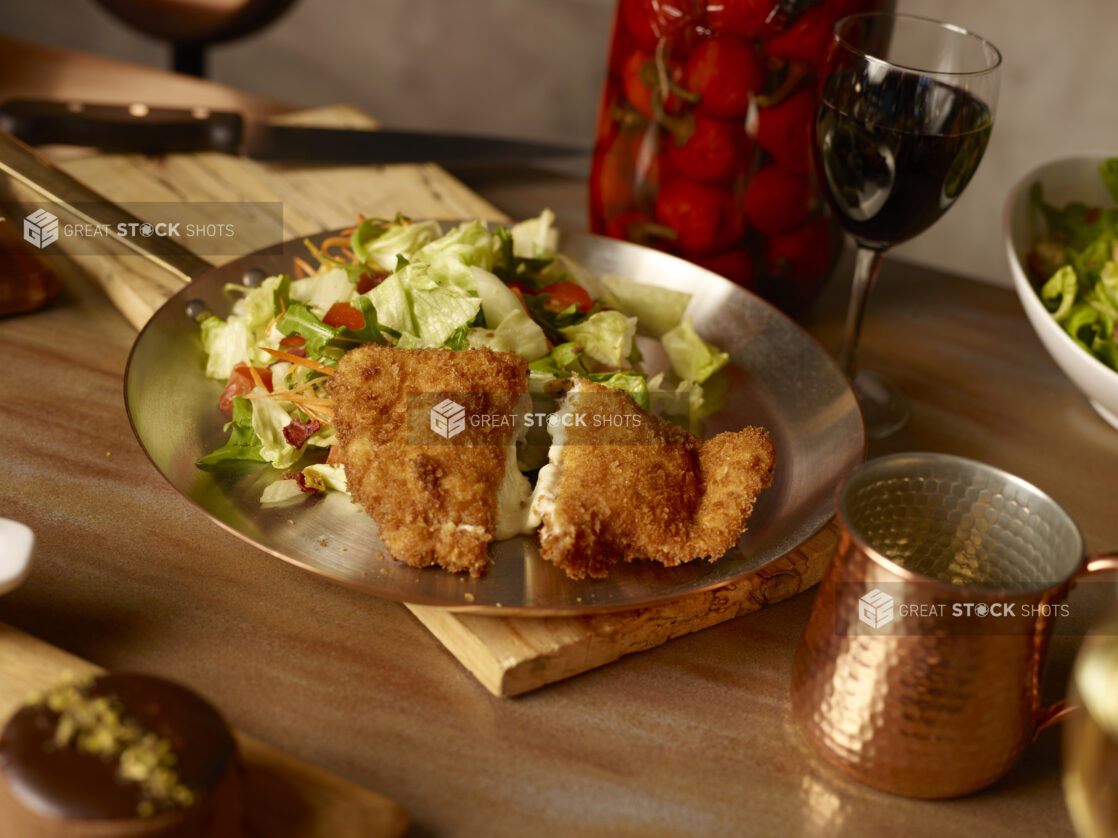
<point x="648" y="491"/>
<point x="433" y="503"/>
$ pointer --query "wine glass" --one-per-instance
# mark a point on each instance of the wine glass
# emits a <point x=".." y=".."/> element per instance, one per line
<point x="905" y="109"/>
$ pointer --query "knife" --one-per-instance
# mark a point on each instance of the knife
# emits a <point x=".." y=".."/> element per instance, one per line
<point x="138" y="128"/>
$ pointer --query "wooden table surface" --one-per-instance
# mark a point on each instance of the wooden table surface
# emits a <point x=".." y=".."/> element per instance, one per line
<point x="692" y="738"/>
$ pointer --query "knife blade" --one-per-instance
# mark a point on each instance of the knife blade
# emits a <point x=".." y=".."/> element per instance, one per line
<point x="138" y="128"/>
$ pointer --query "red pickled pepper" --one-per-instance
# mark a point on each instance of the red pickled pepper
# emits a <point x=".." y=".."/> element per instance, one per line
<point x="746" y="18"/>
<point x="776" y="201"/>
<point x="716" y="151"/>
<point x="808" y="38"/>
<point x="649" y="20"/>
<point x="612" y="178"/>
<point x="725" y="73"/>
<point x="804" y="252"/>
<point x="785" y="131"/>
<point x="698" y="213"/>
<point x="641" y="84"/>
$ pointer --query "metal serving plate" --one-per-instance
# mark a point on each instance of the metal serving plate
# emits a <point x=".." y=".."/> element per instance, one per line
<point x="780" y="378"/>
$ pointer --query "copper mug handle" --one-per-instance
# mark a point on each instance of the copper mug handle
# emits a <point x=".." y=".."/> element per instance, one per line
<point x="1053" y="715"/>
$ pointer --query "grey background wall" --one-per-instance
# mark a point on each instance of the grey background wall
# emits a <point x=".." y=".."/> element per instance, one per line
<point x="534" y="67"/>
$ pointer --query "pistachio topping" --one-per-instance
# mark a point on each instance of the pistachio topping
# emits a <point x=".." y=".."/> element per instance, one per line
<point x="100" y="726"/>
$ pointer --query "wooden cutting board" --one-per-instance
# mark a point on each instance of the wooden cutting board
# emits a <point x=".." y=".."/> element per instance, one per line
<point x="284" y="796"/>
<point x="508" y="655"/>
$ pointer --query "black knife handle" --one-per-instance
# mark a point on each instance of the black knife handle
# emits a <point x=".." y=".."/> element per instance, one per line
<point x="134" y="128"/>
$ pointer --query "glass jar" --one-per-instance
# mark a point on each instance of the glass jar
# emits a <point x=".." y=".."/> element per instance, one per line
<point x="704" y="138"/>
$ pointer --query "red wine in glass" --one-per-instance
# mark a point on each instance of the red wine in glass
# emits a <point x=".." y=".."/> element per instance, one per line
<point x="905" y="111"/>
<point x="891" y="177"/>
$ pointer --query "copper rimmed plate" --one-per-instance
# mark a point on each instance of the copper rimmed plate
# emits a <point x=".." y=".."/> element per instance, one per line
<point x="780" y="378"/>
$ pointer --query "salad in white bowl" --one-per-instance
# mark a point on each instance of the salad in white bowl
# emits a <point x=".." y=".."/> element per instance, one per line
<point x="1061" y="231"/>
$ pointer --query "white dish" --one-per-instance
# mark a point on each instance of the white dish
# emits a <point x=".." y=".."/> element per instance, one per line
<point x="1068" y="179"/>
<point x="16" y="541"/>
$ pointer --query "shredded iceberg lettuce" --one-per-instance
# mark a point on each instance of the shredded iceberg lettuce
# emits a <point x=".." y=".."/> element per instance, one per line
<point x="691" y="357"/>
<point x="606" y="336"/>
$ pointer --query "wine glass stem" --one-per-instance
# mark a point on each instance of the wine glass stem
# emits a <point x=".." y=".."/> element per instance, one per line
<point x="866" y="263"/>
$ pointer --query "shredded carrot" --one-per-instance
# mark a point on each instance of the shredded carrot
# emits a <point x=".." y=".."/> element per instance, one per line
<point x="300" y="361"/>
<point x="298" y="387"/>
<point x="302" y="267"/>
<point x="256" y="379"/>
<point x="292" y="396"/>
<point x="316" y="408"/>
<point x="315" y="401"/>
<point x="324" y="415"/>
<point x="340" y="242"/>
<point x="520" y="297"/>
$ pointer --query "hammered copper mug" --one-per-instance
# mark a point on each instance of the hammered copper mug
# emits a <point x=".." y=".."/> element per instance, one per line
<point x="919" y="671"/>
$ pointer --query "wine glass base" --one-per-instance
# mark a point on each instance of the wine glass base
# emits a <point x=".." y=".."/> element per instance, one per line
<point x="884" y="410"/>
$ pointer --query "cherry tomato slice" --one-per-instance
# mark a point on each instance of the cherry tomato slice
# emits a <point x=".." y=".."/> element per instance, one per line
<point x="343" y="314"/>
<point x="565" y="294"/>
<point x="241" y="382"/>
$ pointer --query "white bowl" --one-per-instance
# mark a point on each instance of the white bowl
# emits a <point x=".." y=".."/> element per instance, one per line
<point x="1064" y="180"/>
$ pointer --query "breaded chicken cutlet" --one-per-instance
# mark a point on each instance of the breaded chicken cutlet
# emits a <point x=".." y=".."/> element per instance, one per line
<point x="440" y="503"/>
<point x="622" y="484"/>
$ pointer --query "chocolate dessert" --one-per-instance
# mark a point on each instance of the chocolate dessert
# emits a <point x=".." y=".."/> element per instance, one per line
<point x="119" y="755"/>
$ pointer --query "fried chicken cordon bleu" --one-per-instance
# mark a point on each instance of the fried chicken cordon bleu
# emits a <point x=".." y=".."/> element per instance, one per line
<point x="440" y="503"/>
<point x="623" y="484"/>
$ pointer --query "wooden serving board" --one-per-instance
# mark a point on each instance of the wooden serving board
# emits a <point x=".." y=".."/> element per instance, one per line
<point x="508" y="655"/>
<point x="512" y="655"/>
<point x="284" y="796"/>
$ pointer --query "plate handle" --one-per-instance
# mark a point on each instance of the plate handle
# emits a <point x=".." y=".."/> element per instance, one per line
<point x="19" y="162"/>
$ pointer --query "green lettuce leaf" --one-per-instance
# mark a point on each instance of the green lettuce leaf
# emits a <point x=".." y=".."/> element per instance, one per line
<point x="269" y="418"/>
<point x="497" y="300"/>
<point x="691" y="357"/>
<point x="321" y="291"/>
<point x="633" y="383"/>
<point x="300" y="320"/>
<point x="235" y="340"/>
<point x="437" y="310"/>
<point x="1059" y="292"/>
<point x="658" y="310"/>
<point x="522" y="335"/>
<point x="226" y="343"/>
<point x="606" y="336"/>
<point x="390" y="301"/>
<point x="535" y="238"/>
<point x="451" y="257"/>
<point x="398" y="239"/>
<point x="243" y="444"/>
